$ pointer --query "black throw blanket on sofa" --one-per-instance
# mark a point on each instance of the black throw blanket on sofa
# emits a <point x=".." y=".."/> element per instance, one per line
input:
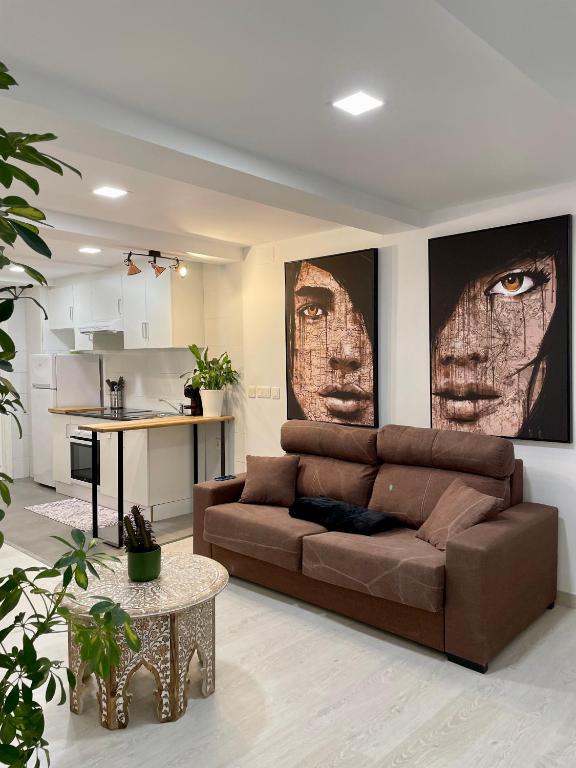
<point x="339" y="516"/>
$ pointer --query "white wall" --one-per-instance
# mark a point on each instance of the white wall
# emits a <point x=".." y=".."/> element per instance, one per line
<point x="550" y="474"/>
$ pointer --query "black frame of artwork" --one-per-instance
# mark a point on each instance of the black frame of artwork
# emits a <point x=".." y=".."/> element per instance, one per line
<point x="292" y="406"/>
<point x="459" y="246"/>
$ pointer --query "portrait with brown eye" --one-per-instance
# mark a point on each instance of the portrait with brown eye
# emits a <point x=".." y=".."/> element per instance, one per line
<point x="500" y="332"/>
<point x="331" y="350"/>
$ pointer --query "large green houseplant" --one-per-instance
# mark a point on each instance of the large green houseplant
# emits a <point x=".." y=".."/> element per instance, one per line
<point x="33" y="601"/>
<point x="210" y="376"/>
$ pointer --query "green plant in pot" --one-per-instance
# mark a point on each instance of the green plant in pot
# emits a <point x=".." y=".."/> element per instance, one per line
<point x="34" y="601"/>
<point x="211" y="376"/>
<point x="144" y="555"/>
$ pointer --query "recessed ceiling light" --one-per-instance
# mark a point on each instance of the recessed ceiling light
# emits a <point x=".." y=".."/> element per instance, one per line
<point x="110" y="192"/>
<point x="358" y="103"/>
<point x="89" y="249"/>
<point x="16" y="268"/>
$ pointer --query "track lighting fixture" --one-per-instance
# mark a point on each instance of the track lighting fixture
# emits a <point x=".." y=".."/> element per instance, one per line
<point x="158" y="269"/>
<point x="153" y="257"/>
<point x="132" y="268"/>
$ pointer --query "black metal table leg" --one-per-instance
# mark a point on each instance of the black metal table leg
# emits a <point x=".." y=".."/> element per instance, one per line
<point x="195" y="451"/>
<point x="120" y="488"/>
<point x="222" y="449"/>
<point x="95" y="478"/>
<point x="120" y="494"/>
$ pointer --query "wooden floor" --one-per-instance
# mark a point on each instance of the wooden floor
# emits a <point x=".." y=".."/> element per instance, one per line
<point x="299" y="688"/>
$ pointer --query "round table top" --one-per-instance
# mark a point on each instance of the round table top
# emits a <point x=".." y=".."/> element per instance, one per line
<point x="185" y="581"/>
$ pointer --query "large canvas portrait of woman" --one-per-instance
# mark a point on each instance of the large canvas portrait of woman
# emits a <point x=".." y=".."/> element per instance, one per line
<point x="500" y="330"/>
<point x="331" y="338"/>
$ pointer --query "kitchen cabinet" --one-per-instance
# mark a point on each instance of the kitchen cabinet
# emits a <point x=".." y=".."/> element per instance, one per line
<point x="82" y="300"/>
<point x="163" y="312"/>
<point x="61" y="448"/>
<point x="107" y="296"/>
<point x="60" y="307"/>
<point x="156" y="465"/>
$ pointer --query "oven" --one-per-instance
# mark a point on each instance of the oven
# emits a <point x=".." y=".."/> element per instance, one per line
<point x="81" y="457"/>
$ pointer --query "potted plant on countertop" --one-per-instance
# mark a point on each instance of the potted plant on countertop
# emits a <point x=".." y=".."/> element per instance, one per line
<point x="144" y="554"/>
<point x="210" y="376"/>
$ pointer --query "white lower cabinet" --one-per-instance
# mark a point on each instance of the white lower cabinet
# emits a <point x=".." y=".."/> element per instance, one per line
<point x="61" y="448"/>
<point x="157" y="464"/>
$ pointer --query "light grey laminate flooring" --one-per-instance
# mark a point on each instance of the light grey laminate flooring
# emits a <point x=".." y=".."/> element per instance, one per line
<point x="32" y="533"/>
<point x="300" y="688"/>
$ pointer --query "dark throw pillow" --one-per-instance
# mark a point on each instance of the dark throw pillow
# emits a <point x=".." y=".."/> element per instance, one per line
<point x="270" y="480"/>
<point x="340" y="516"/>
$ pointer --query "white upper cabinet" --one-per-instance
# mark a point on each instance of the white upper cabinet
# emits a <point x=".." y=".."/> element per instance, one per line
<point x="162" y="312"/>
<point x="155" y="312"/>
<point x="82" y="293"/>
<point x="107" y="296"/>
<point x="60" y="307"/>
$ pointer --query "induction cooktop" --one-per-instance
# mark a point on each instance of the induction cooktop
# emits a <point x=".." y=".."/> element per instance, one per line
<point x="124" y="414"/>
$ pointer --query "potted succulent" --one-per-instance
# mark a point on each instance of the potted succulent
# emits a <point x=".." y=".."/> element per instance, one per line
<point x="144" y="555"/>
<point x="210" y="376"/>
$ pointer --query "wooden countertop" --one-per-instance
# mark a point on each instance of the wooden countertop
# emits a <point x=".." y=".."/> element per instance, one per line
<point x="157" y="423"/>
<point x="76" y="409"/>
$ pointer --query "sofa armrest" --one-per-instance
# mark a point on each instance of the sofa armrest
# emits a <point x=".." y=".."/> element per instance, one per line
<point x="206" y="495"/>
<point x="500" y="575"/>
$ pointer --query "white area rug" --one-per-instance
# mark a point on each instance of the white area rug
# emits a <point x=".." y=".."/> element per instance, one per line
<point x="75" y="513"/>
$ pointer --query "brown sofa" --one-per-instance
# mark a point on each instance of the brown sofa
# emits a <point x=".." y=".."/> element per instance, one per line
<point x="493" y="580"/>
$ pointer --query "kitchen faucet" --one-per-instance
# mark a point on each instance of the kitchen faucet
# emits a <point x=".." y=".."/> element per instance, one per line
<point x="179" y="408"/>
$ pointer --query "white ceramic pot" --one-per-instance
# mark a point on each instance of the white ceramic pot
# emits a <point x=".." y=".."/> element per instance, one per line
<point x="212" y="401"/>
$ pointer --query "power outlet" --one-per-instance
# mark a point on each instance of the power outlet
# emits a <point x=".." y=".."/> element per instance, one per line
<point x="275" y="393"/>
<point x="251" y="391"/>
<point x="263" y="391"/>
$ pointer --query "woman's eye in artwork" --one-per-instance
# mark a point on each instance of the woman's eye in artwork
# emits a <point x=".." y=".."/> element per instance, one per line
<point x="313" y="311"/>
<point x="516" y="283"/>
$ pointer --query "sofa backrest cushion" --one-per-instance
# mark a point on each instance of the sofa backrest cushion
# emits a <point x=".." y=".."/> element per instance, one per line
<point x="446" y="449"/>
<point x="333" y="440"/>
<point x="343" y="480"/>
<point x="411" y="492"/>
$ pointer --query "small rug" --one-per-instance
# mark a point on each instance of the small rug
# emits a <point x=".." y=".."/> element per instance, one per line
<point x="76" y="513"/>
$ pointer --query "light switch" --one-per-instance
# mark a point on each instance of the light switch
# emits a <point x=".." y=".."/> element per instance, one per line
<point x="263" y="391"/>
<point x="275" y="393"/>
<point x="251" y="391"/>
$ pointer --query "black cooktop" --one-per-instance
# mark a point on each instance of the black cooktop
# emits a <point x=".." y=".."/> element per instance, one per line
<point x="122" y="414"/>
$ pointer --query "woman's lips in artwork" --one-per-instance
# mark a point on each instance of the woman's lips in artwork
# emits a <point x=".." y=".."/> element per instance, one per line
<point x="466" y="401"/>
<point x="344" y="398"/>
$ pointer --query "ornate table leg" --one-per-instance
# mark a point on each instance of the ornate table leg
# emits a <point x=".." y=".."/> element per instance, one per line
<point x="193" y="630"/>
<point x="80" y="671"/>
<point x="113" y="692"/>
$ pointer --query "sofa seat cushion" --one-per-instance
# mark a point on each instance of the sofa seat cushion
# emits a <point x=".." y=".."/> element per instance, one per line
<point x="394" y="565"/>
<point x="259" y="531"/>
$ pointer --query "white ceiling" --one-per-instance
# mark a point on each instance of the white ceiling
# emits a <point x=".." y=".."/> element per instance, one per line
<point x="217" y="116"/>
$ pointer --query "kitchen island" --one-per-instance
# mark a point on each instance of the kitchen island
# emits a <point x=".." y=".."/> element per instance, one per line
<point x="169" y="455"/>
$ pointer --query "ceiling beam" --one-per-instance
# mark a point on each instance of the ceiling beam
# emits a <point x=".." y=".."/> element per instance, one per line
<point x="126" y="236"/>
<point x="87" y="124"/>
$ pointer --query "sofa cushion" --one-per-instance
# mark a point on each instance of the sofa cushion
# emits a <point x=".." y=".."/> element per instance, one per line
<point x="446" y="449"/>
<point x="394" y="565"/>
<point x="334" y="440"/>
<point x="270" y="480"/>
<point x="266" y="533"/>
<point x="411" y="493"/>
<point x="460" y="507"/>
<point x="342" y="480"/>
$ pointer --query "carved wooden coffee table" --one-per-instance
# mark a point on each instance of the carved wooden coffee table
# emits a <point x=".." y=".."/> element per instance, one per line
<point x="174" y="617"/>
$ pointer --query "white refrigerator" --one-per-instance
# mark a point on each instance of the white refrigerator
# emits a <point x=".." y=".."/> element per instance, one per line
<point x="59" y="380"/>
